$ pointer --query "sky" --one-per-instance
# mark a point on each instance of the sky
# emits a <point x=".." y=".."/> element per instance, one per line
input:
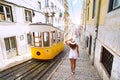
<point x="75" y="7"/>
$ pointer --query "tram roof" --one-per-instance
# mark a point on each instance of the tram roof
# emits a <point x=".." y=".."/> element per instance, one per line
<point x="42" y="27"/>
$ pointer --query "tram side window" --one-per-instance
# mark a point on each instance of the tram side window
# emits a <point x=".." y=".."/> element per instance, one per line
<point x="62" y="37"/>
<point x="59" y="34"/>
<point x="37" y="39"/>
<point x="53" y="36"/>
<point x="46" y="39"/>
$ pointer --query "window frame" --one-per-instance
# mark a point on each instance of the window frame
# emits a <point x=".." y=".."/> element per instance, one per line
<point x="46" y="3"/>
<point x="28" y="15"/>
<point x="116" y="5"/>
<point x="111" y="6"/>
<point x="94" y="7"/>
<point x="5" y="14"/>
<point x="11" y="43"/>
<point x="39" y="5"/>
<point x="88" y="13"/>
<point x="48" y="39"/>
<point x="106" y="64"/>
<point x="29" y="38"/>
<point x="39" y="37"/>
<point x="54" y="36"/>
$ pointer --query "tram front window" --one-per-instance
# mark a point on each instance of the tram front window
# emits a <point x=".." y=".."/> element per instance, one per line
<point x="46" y="39"/>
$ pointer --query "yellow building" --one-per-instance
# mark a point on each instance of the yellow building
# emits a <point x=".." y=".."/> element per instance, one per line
<point x="66" y="17"/>
<point x="101" y="30"/>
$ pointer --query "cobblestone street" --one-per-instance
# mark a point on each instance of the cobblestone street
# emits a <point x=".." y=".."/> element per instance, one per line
<point x="84" y="69"/>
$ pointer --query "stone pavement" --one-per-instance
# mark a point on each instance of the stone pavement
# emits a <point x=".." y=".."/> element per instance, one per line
<point x="84" y="69"/>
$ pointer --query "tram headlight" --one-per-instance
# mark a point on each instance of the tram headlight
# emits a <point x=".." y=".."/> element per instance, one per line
<point x="38" y="53"/>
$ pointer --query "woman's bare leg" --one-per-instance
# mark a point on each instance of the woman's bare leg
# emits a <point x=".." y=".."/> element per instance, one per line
<point x="72" y="65"/>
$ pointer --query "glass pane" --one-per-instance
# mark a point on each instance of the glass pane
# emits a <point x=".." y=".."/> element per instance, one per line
<point x="30" y="19"/>
<point x="29" y="13"/>
<point x="9" y="17"/>
<point x="54" y="36"/>
<point x="13" y="42"/>
<point x="2" y="16"/>
<point x="26" y="18"/>
<point x="36" y="34"/>
<point x="28" y="38"/>
<point x="46" y="2"/>
<point x="1" y="9"/>
<point x="29" y="16"/>
<point x="7" y="43"/>
<point x="37" y="44"/>
<point x="7" y="9"/>
<point x="36" y="39"/>
<point x="25" y="13"/>
<point x="116" y="3"/>
<point x="8" y="12"/>
<point x="46" y="39"/>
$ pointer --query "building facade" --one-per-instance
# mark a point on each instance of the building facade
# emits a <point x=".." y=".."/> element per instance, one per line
<point x="66" y="18"/>
<point x="15" y="17"/>
<point x="101" y="31"/>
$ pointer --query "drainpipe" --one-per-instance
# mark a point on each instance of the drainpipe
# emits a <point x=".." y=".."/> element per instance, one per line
<point x="97" y="25"/>
<point x="85" y="11"/>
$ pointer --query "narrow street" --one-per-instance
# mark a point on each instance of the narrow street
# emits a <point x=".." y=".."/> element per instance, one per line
<point x="84" y="69"/>
<point x="41" y="29"/>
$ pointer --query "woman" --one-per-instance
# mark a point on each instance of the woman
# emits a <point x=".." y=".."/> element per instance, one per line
<point x="74" y="53"/>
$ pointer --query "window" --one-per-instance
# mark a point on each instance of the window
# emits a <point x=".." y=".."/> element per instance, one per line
<point x="46" y="3"/>
<point x="37" y="39"/>
<point x="52" y="5"/>
<point x="107" y="60"/>
<point x="46" y="39"/>
<point x="88" y="13"/>
<point x="7" y="43"/>
<point x="54" y="36"/>
<point x="5" y="13"/>
<point x="29" y="38"/>
<point x="62" y="35"/>
<point x="114" y="4"/>
<point x="39" y="5"/>
<point x="10" y="43"/>
<point x="59" y="35"/>
<point x="94" y="4"/>
<point x="28" y="16"/>
<point x="87" y="41"/>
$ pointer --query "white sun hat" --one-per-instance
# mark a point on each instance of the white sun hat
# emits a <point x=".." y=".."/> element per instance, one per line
<point x="72" y="41"/>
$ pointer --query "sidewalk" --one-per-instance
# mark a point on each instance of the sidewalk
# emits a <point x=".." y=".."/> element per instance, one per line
<point x="84" y="69"/>
<point x="15" y="61"/>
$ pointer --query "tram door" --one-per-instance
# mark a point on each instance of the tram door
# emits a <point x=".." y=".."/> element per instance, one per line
<point x="11" y="48"/>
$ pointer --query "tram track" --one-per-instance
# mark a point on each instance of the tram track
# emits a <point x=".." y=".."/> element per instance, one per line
<point x="11" y="73"/>
<point x="32" y="69"/>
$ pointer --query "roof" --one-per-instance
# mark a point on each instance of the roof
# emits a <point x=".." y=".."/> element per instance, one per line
<point x="42" y="27"/>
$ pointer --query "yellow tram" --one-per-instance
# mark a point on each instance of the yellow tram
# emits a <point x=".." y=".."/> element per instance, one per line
<point x="47" y="41"/>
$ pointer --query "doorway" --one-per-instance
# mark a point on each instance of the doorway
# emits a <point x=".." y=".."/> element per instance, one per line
<point x="90" y="45"/>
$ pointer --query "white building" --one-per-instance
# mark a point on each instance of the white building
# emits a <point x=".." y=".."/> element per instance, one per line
<point x="15" y="17"/>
